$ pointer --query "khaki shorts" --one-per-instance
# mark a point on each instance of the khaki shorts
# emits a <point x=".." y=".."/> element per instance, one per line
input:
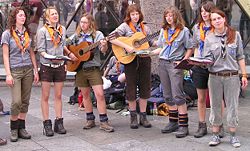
<point x="87" y="78"/>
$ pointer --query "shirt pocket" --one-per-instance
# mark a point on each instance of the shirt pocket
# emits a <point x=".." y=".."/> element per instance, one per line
<point x="216" y="50"/>
<point x="232" y="50"/>
<point x="176" y="43"/>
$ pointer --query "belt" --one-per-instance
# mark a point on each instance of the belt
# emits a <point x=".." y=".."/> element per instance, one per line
<point x="224" y="74"/>
<point x="53" y="65"/>
<point x="22" y="68"/>
<point x="90" y="68"/>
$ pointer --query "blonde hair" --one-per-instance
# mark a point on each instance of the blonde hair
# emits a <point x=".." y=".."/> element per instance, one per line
<point x="47" y="12"/>
<point x="92" y="26"/>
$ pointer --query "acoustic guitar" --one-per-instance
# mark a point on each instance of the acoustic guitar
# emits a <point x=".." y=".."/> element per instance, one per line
<point x="84" y="51"/>
<point x="138" y="40"/>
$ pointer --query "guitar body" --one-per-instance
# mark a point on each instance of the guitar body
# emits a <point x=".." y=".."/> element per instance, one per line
<point x="78" y="51"/>
<point x="72" y="65"/>
<point x="84" y="52"/>
<point x="121" y="53"/>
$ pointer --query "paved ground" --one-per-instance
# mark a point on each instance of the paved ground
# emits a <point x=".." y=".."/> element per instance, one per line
<point x="122" y="139"/>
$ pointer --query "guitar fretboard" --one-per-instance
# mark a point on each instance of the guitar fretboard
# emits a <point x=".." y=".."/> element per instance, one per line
<point x="149" y="37"/>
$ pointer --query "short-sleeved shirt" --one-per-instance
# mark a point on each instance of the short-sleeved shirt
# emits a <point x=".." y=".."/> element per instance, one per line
<point x="213" y="52"/>
<point x="196" y="39"/>
<point x="178" y="47"/>
<point x="45" y="44"/>
<point x="113" y="68"/>
<point x="16" y="58"/>
<point x="126" y="31"/>
<point x="77" y="39"/>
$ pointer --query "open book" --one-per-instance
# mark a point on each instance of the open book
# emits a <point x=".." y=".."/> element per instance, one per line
<point x="190" y="62"/>
<point x="199" y="60"/>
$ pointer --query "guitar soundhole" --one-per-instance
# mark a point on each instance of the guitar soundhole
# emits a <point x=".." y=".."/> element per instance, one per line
<point x="81" y="52"/>
<point x="137" y="44"/>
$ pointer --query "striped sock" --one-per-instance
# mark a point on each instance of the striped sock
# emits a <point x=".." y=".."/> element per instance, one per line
<point x="183" y="120"/>
<point x="173" y="116"/>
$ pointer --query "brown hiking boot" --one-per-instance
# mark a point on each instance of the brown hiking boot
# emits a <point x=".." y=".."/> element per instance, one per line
<point x="14" y="135"/>
<point x="202" y="130"/>
<point x="58" y="126"/>
<point x="89" y="124"/>
<point x="22" y="133"/>
<point x="143" y="120"/>
<point x="14" y="125"/>
<point x="106" y="126"/>
<point x="133" y="120"/>
<point x="47" y="128"/>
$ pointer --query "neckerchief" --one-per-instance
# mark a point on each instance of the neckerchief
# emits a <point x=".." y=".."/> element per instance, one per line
<point x="85" y="36"/>
<point x="22" y="39"/>
<point x="203" y="31"/>
<point x="223" y="45"/>
<point x="55" y="34"/>
<point x="223" y="42"/>
<point x="170" y="35"/>
<point x="133" y="28"/>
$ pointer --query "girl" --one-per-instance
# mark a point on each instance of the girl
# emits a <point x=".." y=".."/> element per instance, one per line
<point x="89" y="75"/>
<point x="175" y="45"/>
<point x="51" y="43"/>
<point x="224" y="47"/>
<point x="138" y="71"/>
<point x="21" y="69"/>
<point x="200" y="74"/>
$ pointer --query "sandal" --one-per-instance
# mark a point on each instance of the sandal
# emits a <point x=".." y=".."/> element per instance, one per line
<point x="3" y="141"/>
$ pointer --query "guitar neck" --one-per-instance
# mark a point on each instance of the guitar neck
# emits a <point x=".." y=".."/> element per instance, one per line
<point x="149" y="37"/>
<point x="90" y="47"/>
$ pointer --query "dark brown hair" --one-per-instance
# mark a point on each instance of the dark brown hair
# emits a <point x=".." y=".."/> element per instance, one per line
<point x="12" y="19"/>
<point x="231" y="33"/>
<point x="208" y="6"/>
<point x="132" y="8"/>
<point x="178" y="20"/>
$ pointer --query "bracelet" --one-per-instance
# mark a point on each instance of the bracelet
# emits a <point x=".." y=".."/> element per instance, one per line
<point x="35" y="72"/>
<point x="245" y="75"/>
<point x="69" y="53"/>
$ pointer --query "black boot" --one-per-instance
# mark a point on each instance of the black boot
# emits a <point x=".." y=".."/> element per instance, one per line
<point x="143" y="120"/>
<point x="183" y="126"/>
<point x="133" y="120"/>
<point x="172" y="126"/>
<point x="14" y="130"/>
<point x="58" y="126"/>
<point x="202" y="130"/>
<point x="47" y="130"/>
<point x="22" y="133"/>
<point x="182" y="132"/>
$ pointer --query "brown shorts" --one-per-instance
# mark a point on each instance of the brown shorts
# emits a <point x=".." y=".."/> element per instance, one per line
<point x="87" y="78"/>
<point x="50" y="74"/>
<point x="138" y="73"/>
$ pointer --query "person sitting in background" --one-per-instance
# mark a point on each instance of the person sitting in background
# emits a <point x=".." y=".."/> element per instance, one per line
<point x="115" y="71"/>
